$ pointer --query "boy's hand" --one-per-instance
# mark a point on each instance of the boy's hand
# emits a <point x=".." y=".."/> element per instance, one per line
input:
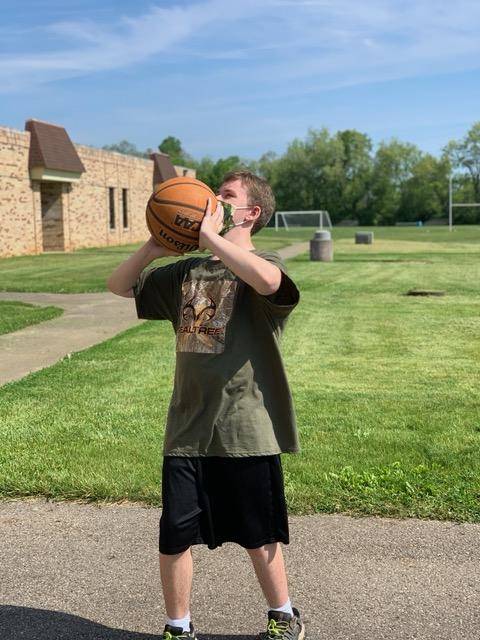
<point x="212" y="224"/>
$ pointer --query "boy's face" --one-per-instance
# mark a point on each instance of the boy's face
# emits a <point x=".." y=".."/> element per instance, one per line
<point x="236" y="194"/>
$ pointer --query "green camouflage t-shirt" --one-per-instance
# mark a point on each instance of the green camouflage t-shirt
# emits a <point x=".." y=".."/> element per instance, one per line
<point x="231" y="395"/>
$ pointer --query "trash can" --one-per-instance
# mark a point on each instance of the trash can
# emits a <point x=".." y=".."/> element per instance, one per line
<point x="321" y="246"/>
<point x="364" y="237"/>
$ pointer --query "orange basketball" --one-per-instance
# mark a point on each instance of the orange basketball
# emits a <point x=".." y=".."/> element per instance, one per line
<point x="175" y="212"/>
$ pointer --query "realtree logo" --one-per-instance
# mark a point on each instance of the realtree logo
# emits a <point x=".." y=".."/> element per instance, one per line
<point x="197" y="311"/>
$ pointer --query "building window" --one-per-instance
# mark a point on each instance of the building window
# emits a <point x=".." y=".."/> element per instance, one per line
<point x="125" y="207"/>
<point x="111" y="200"/>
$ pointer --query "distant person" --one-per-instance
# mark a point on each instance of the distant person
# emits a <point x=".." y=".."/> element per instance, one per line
<point x="231" y="413"/>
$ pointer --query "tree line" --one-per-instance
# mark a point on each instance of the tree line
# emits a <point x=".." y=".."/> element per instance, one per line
<point x="343" y="173"/>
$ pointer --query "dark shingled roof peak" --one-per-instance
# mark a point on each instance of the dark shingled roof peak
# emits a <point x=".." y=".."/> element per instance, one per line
<point x="51" y="148"/>
<point x="163" y="168"/>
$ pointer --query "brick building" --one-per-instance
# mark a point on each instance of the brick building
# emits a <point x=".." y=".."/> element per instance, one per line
<point x="60" y="196"/>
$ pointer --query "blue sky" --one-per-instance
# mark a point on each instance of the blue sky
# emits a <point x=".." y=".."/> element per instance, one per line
<point x="241" y="77"/>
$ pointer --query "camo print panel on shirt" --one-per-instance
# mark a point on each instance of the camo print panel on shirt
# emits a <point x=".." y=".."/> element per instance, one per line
<point x="205" y="310"/>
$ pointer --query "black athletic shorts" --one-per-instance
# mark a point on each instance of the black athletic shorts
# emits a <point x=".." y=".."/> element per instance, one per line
<point x="213" y="500"/>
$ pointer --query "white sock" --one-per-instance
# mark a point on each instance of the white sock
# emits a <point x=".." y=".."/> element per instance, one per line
<point x="180" y="622"/>
<point x="286" y="608"/>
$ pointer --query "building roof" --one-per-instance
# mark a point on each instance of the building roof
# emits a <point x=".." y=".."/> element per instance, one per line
<point x="163" y="168"/>
<point x="51" y="148"/>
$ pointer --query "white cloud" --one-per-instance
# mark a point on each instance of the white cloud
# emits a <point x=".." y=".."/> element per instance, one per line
<point x="308" y="44"/>
<point x="130" y="41"/>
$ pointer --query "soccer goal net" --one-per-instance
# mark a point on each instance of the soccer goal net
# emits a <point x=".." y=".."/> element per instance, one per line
<point x="295" y="219"/>
<point x="452" y="204"/>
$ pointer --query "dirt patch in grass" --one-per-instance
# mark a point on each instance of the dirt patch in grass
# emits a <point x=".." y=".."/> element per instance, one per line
<point x="424" y="292"/>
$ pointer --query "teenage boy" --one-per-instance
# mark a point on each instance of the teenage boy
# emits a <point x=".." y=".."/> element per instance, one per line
<point x="231" y="412"/>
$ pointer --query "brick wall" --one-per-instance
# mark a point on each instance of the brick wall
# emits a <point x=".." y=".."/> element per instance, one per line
<point x="84" y="204"/>
<point x="88" y="199"/>
<point x="19" y="203"/>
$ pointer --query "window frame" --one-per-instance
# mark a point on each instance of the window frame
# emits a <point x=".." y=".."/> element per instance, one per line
<point x="111" y="208"/>
<point x="125" y="208"/>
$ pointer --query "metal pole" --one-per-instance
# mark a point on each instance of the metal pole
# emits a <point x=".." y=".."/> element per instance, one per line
<point x="450" y="207"/>
<point x="276" y="220"/>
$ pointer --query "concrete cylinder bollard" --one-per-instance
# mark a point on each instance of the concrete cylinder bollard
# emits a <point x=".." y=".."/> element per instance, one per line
<point x="321" y="246"/>
<point x="364" y="237"/>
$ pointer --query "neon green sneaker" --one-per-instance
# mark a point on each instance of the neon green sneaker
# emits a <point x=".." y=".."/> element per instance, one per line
<point x="177" y="633"/>
<point x="283" y="626"/>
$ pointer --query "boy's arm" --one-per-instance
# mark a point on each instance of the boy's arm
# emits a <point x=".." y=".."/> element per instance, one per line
<point x="261" y="275"/>
<point x="125" y="275"/>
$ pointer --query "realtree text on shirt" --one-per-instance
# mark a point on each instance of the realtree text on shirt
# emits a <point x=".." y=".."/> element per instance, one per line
<point x="231" y="395"/>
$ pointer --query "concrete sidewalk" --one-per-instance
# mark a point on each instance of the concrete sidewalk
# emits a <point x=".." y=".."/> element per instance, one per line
<point x="89" y="318"/>
<point x="81" y="572"/>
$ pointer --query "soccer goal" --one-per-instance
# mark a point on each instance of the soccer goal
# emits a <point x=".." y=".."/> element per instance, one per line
<point x="289" y="219"/>
<point x="452" y="204"/>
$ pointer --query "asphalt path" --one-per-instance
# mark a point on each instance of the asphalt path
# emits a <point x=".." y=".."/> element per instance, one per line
<point x="71" y="571"/>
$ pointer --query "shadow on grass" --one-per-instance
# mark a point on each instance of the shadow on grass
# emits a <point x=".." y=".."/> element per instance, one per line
<point x="42" y="624"/>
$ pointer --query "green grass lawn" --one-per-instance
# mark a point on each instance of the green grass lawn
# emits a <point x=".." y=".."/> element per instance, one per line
<point x="385" y="387"/>
<point x="17" y="315"/>
<point x="87" y="270"/>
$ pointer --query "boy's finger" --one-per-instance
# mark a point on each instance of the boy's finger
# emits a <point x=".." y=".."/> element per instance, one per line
<point x="208" y="208"/>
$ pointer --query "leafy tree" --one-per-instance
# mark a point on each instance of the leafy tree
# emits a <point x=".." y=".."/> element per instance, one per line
<point x="327" y="175"/>
<point x="322" y="172"/>
<point x="425" y="194"/>
<point x="357" y="169"/>
<point x="340" y="173"/>
<point x="212" y="173"/>
<point x="291" y="181"/>
<point x="173" y="147"/>
<point x="266" y="166"/>
<point x="126" y="147"/>
<point x="466" y="154"/>
<point x="393" y="166"/>
<point x="204" y="170"/>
